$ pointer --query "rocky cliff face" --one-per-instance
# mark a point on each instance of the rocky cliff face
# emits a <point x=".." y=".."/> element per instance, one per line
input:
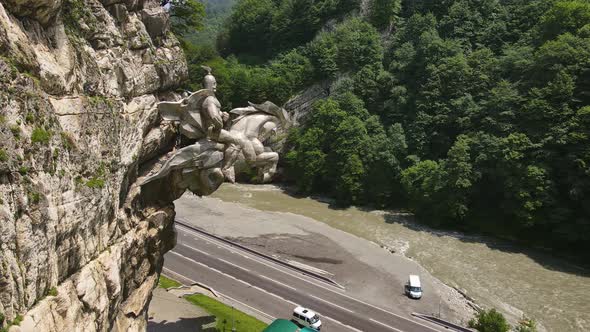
<point x="80" y="245"/>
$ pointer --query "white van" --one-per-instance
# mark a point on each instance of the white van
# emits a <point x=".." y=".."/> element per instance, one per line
<point x="413" y="287"/>
<point x="306" y="317"/>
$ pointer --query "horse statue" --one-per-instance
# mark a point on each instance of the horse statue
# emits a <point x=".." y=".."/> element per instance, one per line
<point x="220" y="139"/>
<point x="256" y="124"/>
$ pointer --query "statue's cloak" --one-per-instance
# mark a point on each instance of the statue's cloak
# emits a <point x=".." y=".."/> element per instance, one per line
<point x="188" y="113"/>
<point x="266" y="107"/>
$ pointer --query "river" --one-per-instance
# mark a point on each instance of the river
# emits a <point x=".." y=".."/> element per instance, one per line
<point x="494" y="273"/>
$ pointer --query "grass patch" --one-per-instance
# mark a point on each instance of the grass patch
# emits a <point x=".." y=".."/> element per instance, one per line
<point x="40" y="135"/>
<point x="15" y="131"/>
<point x="3" y="155"/>
<point x="167" y="282"/>
<point x="34" y="197"/>
<point x="67" y="141"/>
<point x="17" y="320"/>
<point x="75" y="11"/>
<point x="96" y="101"/>
<point x="223" y="314"/>
<point x="95" y="183"/>
<point x="23" y="170"/>
<point x="52" y="292"/>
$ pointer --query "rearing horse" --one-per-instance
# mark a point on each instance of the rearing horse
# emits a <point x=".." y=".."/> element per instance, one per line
<point x="255" y="124"/>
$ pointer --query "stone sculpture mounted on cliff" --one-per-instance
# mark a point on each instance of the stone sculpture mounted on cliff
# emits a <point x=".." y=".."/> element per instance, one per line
<point x="220" y="139"/>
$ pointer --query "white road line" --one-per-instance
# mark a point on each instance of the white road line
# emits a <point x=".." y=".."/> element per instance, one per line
<point x="224" y="295"/>
<point x="279" y="297"/>
<point x="221" y="259"/>
<point x="278" y="282"/>
<point x="195" y="249"/>
<point x="330" y="303"/>
<point x="383" y="324"/>
<point x="232" y="264"/>
<point x="338" y="291"/>
<point x="339" y="322"/>
<point x="262" y="261"/>
<point x="262" y="312"/>
<point x="180" y="275"/>
<point x="275" y="295"/>
<point x="213" y="269"/>
<point x="244" y="304"/>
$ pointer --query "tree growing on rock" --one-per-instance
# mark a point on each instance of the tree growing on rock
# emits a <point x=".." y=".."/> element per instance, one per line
<point x="186" y="15"/>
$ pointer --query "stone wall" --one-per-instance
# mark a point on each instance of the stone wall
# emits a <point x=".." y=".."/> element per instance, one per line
<point x="80" y="245"/>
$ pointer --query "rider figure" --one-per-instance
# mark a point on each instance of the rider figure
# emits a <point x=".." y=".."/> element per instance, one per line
<point x="214" y="123"/>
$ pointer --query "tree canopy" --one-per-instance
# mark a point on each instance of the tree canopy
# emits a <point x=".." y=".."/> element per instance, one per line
<point x="473" y="114"/>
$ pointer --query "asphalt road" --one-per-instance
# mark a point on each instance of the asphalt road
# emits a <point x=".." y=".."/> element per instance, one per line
<point x="272" y="290"/>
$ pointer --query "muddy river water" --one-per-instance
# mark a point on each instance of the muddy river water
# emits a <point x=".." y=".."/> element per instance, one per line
<point x="494" y="273"/>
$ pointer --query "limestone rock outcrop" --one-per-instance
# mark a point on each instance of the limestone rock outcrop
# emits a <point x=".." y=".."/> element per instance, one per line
<point x="81" y="246"/>
<point x="300" y="105"/>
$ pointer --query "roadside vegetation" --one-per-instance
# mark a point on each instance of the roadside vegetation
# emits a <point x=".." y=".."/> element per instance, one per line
<point x="227" y="317"/>
<point x="493" y="321"/>
<point x="166" y="283"/>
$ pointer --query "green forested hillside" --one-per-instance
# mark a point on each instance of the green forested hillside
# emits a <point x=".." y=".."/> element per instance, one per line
<point x="474" y="114"/>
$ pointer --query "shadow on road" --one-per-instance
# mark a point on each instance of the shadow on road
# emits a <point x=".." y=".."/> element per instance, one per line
<point x="200" y="324"/>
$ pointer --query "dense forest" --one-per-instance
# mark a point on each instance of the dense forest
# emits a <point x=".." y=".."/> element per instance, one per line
<point x="473" y="114"/>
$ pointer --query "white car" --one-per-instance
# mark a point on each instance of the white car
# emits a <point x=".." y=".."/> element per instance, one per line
<point x="306" y="317"/>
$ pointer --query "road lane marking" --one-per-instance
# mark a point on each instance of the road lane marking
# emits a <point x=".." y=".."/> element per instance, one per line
<point x="195" y="249"/>
<point x="275" y="295"/>
<point x="269" y="293"/>
<point x="191" y="282"/>
<point x="290" y="273"/>
<point x="330" y="303"/>
<point x="213" y="269"/>
<point x="272" y="294"/>
<point x="278" y="282"/>
<point x="244" y="304"/>
<point x="383" y="324"/>
<point x="262" y="261"/>
<point x="223" y="295"/>
<point x="208" y="254"/>
<point x="180" y="275"/>
<point x="339" y="322"/>
<point x="230" y="263"/>
<point x="232" y="277"/>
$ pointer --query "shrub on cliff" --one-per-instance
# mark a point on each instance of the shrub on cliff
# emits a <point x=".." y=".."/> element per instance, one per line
<point x="40" y="135"/>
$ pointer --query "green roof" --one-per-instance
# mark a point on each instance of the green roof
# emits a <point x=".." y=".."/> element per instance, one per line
<point x="284" y="325"/>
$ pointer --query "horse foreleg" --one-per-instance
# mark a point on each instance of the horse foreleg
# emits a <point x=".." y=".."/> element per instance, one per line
<point x="267" y="165"/>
